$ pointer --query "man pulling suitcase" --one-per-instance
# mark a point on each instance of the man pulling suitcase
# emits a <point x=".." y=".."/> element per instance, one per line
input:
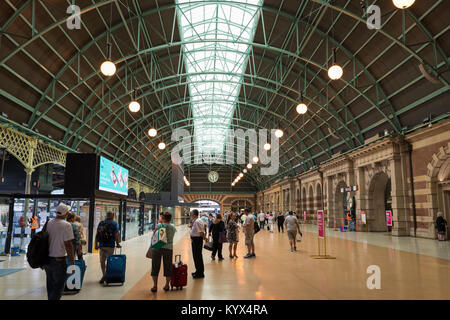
<point x="107" y="238"/>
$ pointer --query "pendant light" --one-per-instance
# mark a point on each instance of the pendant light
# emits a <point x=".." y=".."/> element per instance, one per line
<point x="152" y="132"/>
<point x="403" y="4"/>
<point x="335" y="72"/>
<point x="134" y="106"/>
<point x="279" y="133"/>
<point x="249" y="166"/>
<point x="267" y="146"/>
<point x="255" y="159"/>
<point x="108" y="68"/>
<point x="161" y="146"/>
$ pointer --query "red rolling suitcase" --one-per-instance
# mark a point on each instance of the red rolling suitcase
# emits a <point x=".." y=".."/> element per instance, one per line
<point x="179" y="274"/>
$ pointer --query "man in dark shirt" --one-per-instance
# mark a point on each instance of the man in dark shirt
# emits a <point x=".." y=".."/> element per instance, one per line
<point x="280" y="220"/>
<point x="107" y="238"/>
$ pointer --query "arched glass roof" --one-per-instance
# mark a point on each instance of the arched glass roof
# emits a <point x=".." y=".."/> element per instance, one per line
<point x="215" y="66"/>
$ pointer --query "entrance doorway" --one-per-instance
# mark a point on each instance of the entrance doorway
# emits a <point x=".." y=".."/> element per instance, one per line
<point x="380" y="200"/>
<point x="207" y="207"/>
<point x="239" y="206"/>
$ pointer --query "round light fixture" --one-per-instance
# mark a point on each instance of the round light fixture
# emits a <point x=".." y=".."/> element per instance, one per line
<point x="302" y="108"/>
<point x="134" y="106"/>
<point x="335" y="72"/>
<point x="245" y="170"/>
<point x="241" y="174"/>
<point x="108" y="68"/>
<point x="278" y="133"/>
<point x="267" y="146"/>
<point x="249" y="166"/>
<point x="152" y="132"/>
<point x="161" y="145"/>
<point x="403" y="4"/>
<point x="255" y="159"/>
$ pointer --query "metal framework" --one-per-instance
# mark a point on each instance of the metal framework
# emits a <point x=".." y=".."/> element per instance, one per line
<point x="261" y="61"/>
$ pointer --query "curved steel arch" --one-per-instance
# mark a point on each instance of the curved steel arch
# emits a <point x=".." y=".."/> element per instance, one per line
<point x="270" y="10"/>
<point x="322" y="1"/>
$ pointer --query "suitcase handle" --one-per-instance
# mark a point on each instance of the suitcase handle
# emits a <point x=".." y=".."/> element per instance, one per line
<point x="116" y="248"/>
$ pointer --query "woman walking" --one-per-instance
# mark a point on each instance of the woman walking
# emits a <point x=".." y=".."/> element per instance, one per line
<point x="216" y="228"/>
<point x="165" y="252"/>
<point x="232" y="234"/>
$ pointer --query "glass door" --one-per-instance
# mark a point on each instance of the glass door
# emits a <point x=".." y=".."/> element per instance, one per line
<point x="132" y="220"/>
<point x="4" y="211"/>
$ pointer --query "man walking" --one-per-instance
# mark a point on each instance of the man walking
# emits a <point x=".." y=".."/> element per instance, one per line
<point x="280" y="220"/>
<point x="198" y="234"/>
<point x="292" y="227"/>
<point x="249" y="231"/>
<point x="60" y="242"/>
<point x="262" y="220"/>
<point x="107" y="238"/>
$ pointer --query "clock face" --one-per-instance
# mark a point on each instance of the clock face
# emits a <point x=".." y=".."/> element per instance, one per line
<point x="213" y="176"/>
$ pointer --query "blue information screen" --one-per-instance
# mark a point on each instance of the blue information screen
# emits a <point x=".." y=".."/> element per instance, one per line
<point x="113" y="178"/>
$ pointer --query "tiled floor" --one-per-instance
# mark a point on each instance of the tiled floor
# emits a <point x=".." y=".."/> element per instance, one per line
<point x="410" y="269"/>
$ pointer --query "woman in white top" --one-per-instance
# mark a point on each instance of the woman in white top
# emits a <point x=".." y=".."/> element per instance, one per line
<point x="271" y="220"/>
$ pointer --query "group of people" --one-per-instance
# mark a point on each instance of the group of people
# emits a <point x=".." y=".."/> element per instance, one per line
<point x="66" y="235"/>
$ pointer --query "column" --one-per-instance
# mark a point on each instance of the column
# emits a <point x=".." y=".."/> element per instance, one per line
<point x="399" y="193"/>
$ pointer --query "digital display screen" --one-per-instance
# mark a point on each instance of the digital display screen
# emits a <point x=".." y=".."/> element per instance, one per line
<point x="113" y="178"/>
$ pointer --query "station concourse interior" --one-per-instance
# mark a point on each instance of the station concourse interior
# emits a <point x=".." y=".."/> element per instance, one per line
<point x="337" y="111"/>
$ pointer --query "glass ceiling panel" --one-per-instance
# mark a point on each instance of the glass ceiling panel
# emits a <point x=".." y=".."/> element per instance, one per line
<point x="212" y="88"/>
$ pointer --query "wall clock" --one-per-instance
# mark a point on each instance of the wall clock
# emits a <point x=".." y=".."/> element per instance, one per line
<point x="213" y="176"/>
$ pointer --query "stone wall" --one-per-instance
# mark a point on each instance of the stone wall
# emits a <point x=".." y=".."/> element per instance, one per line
<point x="381" y="172"/>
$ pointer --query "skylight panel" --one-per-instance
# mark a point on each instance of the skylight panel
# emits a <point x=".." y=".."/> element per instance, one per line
<point x="220" y="33"/>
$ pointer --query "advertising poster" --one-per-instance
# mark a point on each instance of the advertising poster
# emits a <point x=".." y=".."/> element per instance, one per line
<point x="388" y="218"/>
<point x="320" y="223"/>
<point x="113" y="178"/>
<point x="363" y="217"/>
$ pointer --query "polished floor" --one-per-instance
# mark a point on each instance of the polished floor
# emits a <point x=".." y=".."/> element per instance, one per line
<point x="410" y="269"/>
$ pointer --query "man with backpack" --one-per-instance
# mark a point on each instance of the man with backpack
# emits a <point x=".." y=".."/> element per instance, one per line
<point x="60" y="235"/>
<point x="106" y="240"/>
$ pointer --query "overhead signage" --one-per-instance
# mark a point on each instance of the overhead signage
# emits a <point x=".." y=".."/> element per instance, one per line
<point x="112" y="177"/>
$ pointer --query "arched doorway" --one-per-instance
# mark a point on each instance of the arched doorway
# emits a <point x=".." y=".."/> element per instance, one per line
<point x="340" y="203"/>
<point x="311" y="203"/>
<point x="304" y="207"/>
<point x="442" y="186"/>
<point x="319" y="202"/>
<point x="241" y="205"/>
<point x="380" y="200"/>
<point x="208" y="206"/>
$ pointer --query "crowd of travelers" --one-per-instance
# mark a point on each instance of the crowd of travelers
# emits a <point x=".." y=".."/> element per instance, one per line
<point x="65" y="236"/>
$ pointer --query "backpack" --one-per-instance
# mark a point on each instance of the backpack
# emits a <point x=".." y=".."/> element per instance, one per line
<point x="256" y="227"/>
<point x="104" y="232"/>
<point x="37" y="253"/>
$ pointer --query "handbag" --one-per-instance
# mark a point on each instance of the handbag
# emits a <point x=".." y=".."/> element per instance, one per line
<point x="149" y="252"/>
<point x="299" y="237"/>
<point x="222" y="237"/>
<point x="159" y="238"/>
<point x="208" y="246"/>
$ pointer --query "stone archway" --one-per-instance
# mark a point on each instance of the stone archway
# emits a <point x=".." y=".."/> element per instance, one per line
<point x="311" y="203"/>
<point x="438" y="184"/>
<point x="338" y="204"/>
<point x="378" y="202"/>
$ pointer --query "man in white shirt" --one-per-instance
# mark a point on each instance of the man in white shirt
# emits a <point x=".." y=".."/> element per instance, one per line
<point x="60" y="242"/>
<point x="198" y="234"/>
<point x="262" y="220"/>
<point x="292" y="227"/>
<point x="249" y="231"/>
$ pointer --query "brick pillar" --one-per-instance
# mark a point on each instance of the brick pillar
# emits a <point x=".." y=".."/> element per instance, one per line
<point x="399" y="193"/>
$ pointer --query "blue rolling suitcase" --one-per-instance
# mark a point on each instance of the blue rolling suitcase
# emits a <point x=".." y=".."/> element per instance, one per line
<point x="115" y="268"/>
<point x="82" y="265"/>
